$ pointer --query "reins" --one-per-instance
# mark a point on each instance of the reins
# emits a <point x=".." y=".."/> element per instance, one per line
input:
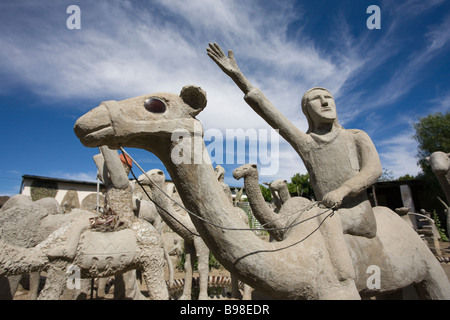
<point x="216" y="225"/>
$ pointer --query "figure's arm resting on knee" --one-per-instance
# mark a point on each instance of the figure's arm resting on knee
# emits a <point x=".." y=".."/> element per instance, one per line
<point x="370" y="171"/>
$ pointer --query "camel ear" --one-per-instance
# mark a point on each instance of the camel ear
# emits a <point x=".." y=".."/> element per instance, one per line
<point x="195" y="97"/>
<point x="428" y="159"/>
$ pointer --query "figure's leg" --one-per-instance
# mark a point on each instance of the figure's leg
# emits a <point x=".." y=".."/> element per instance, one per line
<point x="202" y="252"/>
<point x="332" y="232"/>
<point x="345" y="286"/>
<point x="189" y="251"/>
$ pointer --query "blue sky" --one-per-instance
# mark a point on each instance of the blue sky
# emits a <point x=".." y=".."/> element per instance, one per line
<point x="382" y="80"/>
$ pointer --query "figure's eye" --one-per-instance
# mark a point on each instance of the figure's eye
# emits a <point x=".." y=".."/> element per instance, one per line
<point x="155" y="105"/>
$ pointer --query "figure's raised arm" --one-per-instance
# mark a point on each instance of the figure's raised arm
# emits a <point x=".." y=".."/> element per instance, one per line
<point x="255" y="98"/>
<point x="229" y="66"/>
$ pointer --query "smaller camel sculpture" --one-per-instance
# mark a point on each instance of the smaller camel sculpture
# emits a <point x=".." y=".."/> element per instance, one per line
<point x="281" y="189"/>
<point x="440" y="165"/>
<point x="19" y="217"/>
<point x="260" y="209"/>
<point x="275" y="222"/>
<point x="219" y="171"/>
<point x="280" y="193"/>
<point x="134" y="245"/>
<point x="99" y="254"/>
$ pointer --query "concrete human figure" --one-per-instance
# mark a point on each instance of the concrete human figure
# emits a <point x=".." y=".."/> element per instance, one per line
<point x="341" y="163"/>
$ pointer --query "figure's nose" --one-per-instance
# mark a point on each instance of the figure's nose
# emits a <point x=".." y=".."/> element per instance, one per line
<point x="324" y="101"/>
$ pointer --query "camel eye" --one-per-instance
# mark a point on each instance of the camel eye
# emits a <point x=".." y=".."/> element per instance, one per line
<point x="155" y="105"/>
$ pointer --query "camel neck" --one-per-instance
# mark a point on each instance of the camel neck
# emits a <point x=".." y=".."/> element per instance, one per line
<point x="260" y="208"/>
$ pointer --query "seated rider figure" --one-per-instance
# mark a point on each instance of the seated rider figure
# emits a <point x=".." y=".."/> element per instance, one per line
<point x="341" y="163"/>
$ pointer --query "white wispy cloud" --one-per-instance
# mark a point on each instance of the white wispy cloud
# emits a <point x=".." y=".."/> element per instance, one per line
<point x="90" y="176"/>
<point x="126" y="48"/>
<point x="399" y="154"/>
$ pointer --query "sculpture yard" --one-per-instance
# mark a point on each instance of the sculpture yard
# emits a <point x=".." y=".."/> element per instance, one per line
<point x="323" y="250"/>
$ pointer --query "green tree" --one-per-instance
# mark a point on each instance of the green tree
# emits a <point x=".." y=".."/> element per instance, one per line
<point x="301" y="186"/>
<point x="387" y="175"/>
<point x="266" y="193"/>
<point x="406" y="177"/>
<point x="432" y="134"/>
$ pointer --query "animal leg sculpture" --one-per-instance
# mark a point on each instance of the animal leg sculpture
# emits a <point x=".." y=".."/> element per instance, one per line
<point x="188" y="269"/>
<point x="203" y="266"/>
<point x="126" y="286"/>
<point x="34" y="285"/>
<point x="59" y="278"/>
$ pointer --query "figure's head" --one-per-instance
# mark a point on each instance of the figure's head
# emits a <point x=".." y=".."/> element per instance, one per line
<point x="319" y="107"/>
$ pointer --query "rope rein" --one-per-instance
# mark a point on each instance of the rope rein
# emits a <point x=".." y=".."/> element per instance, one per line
<point x="212" y="223"/>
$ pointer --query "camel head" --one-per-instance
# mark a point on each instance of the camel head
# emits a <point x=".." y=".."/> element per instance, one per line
<point x="156" y="175"/>
<point x="219" y="171"/>
<point x="245" y="171"/>
<point x="278" y="185"/>
<point x="439" y="162"/>
<point x="141" y="122"/>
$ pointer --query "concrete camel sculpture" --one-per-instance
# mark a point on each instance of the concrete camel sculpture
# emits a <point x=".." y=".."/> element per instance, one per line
<point x="440" y="165"/>
<point x="299" y="266"/>
<point x="95" y="253"/>
<point x="99" y="254"/>
<point x="273" y="221"/>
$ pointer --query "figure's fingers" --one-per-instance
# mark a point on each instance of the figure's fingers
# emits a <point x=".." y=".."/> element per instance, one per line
<point x="230" y="54"/>
<point x="218" y="50"/>
<point x="213" y="55"/>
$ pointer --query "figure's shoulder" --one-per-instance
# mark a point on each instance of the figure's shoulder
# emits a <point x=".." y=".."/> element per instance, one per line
<point x="359" y="136"/>
<point x="357" y="133"/>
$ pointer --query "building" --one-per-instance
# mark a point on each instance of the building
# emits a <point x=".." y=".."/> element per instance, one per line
<point x="69" y="193"/>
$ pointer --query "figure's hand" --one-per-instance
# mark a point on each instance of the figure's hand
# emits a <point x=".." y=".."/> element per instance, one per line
<point x="333" y="199"/>
<point x="227" y="64"/>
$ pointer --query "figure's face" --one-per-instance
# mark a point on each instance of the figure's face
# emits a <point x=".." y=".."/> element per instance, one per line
<point x="321" y="106"/>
